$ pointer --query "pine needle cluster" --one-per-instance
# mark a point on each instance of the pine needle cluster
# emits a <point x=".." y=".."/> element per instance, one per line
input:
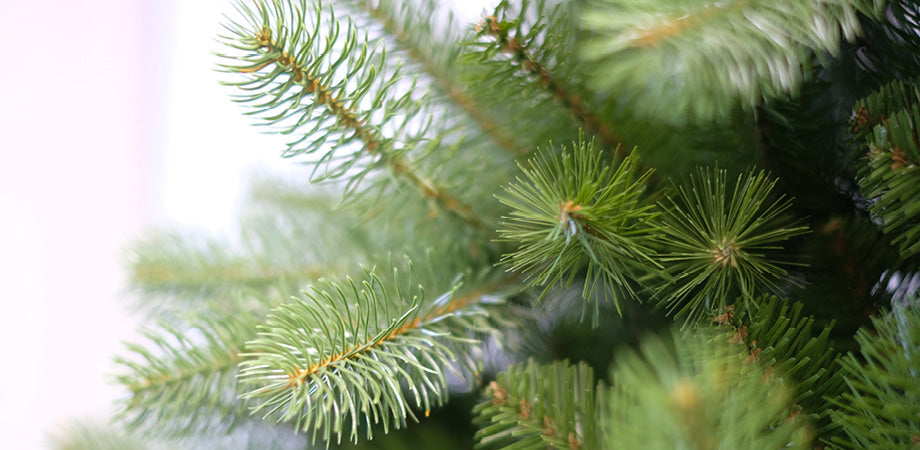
<point x="573" y="211"/>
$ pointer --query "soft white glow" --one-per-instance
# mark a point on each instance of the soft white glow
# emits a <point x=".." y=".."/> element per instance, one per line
<point x="208" y="144"/>
<point x="72" y="191"/>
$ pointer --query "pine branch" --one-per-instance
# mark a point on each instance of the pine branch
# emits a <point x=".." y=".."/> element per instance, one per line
<point x="180" y="264"/>
<point x="698" y="61"/>
<point x="540" y="406"/>
<point x="543" y="30"/>
<point x="505" y="29"/>
<point x="185" y="379"/>
<point x="776" y="334"/>
<point x="722" y="243"/>
<point x="890" y="175"/>
<point x="281" y="245"/>
<point x="367" y="351"/>
<point x="701" y="392"/>
<point x="435" y="53"/>
<point x="880" y="409"/>
<point x="572" y="211"/>
<point x="324" y="90"/>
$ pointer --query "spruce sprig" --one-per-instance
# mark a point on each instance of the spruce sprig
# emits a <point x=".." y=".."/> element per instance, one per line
<point x="890" y="169"/>
<point x="337" y="94"/>
<point x="539" y="406"/>
<point x="434" y="49"/>
<point x="375" y="350"/>
<point x="781" y="338"/>
<point x="315" y="81"/>
<point x="880" y="409"/>
<point x="282" y="244"/>
<point x="572" y="211"/>
<point x="183" y="380"/>
<point x="520" y="65"/>
<point x="722" y="242"/>
<point x="528" y="47"/>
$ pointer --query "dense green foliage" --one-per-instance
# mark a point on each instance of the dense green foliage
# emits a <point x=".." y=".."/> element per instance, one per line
<point x="880" y="408"/>
<point x="585" y="224"/>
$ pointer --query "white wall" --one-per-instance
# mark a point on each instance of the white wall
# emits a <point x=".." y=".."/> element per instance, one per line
<point x="74" y="185"/>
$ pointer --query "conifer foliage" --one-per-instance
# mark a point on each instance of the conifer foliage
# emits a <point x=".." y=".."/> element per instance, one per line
<point x="636" y="181"/>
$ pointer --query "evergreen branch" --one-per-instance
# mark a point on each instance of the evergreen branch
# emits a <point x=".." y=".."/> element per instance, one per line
<point x="322" y="89"/>
<point x="187" y="381"/>
<point x="409" y="25"/>
<point x="508" y="37"/>
<point x="540" y="406"/>
<point x="777" y="335"/>
<point x="276" y="250"/>
<point x="571" y="211"/>
<point x="698" y="392"/>
<point x="890" y="175"/>
<point x="722" y="243"/>
<point x="168" y="263"/>
<point x="880" y="408"/>
<point x="366" y="351"/>
<point x="724" y="54"/>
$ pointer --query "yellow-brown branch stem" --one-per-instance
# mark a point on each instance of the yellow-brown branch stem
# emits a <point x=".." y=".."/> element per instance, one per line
<point x="573" y="102"/>
<point x="299" y="376"/>
<point x="448" y="85"/>
<point x="164" y="274"/>
<point x="230" y="358"/>
<point x="366" y="134"/>
<point x="673" y="26"/>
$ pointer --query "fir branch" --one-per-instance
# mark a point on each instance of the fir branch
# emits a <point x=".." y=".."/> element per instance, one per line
<point x="409" y="25"/>
<point x="184" y="380"/>
<point x="776" y="334"/>
<point x="698" y="391"/>
<point x="722" y="242"/>
<point x="572" y="211"/>
<point x="880" y="410"/>
<point x="366" y="351"/>
<point x="698" y="61"/>
<point x="540" y="406"/>
<point x="281" y="245"/>
<point x="508" y="37"/>
<point x="180" y="264"/>
<point x="890" y="173"/>
<point x="322" y="89"/>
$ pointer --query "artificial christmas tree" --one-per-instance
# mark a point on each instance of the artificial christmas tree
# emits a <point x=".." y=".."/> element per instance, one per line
<point x="610" y="224"/>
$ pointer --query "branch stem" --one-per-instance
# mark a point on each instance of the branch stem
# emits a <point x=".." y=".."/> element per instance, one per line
<point x="226" y="360"/>
<point x="368" y="135"/>
<point x="530" y="65"/>
<point x="446" y="83"/>
<point x="455" y="304"/>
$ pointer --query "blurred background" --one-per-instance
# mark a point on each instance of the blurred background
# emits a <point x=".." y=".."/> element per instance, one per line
<point x="112" y="121"/>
